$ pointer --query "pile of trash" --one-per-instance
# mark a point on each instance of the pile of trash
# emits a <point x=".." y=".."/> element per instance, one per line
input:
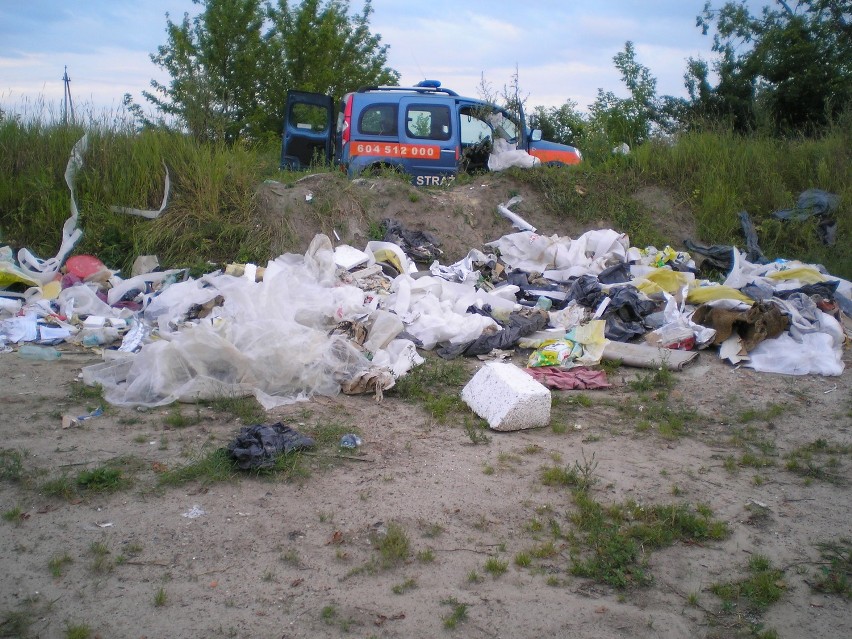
<point x="352" y="320"/>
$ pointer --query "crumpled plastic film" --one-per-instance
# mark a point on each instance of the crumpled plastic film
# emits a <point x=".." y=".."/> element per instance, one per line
<point x="45" y="270"/>
<point x="817" y="353"/>
<point x="279" y="362"/>
<point x="384" y="327"/>
<point x="805" y="274"/>
<point x="560" y="257"/>
<point x="505" y="155"/>
<point x="434" y="310"/>
<point x="82" y="299"/>
<point x="175" y="301"/>
<point x="400" y="356"/>
<point x="269" y="339"/>
<point x="591" y="336"/>
<point x="582" y="346"/>
<point x="139" y="283"/>
<point x="10" y="274"/>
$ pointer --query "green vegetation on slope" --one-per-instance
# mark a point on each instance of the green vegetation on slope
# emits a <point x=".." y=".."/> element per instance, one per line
<point x="212" y="212"/>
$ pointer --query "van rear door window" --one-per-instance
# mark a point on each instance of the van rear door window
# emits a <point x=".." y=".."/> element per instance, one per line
<point x="378" y="119"/>
<point x="311" y="117"/>
<point x="430" y="122"/>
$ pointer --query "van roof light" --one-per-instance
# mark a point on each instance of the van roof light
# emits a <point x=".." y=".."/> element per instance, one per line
<point x="429" y="84"/>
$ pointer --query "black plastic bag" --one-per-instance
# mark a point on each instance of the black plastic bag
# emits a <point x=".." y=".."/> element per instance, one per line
<point x="257" y="446"/>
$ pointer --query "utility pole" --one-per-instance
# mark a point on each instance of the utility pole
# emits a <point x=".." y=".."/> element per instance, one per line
<point x="68" y="103"/>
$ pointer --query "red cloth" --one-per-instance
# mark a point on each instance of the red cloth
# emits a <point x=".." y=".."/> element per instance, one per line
<point x="578" y="378"/>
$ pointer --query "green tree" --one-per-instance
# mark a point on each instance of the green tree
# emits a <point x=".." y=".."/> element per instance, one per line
<point x="792" y="64"/>
<point x="212" y="60"/>
<point x="231" y="66"/>
<point x="564" y="124"/>
<point x="628" y="119"/>
<point x="316" y="46"/>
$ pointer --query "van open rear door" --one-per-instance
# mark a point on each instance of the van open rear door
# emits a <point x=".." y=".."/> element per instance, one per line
<point x="308" y="130"/>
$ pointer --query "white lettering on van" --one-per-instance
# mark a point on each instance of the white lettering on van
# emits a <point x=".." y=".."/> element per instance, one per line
<point x="434" y="180"/>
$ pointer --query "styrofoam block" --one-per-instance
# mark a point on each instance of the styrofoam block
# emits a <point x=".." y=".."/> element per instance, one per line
<point x="349" y="257"/>
<point x="507" y="398"/>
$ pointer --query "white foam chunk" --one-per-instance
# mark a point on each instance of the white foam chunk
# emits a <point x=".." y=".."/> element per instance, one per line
<point x="507" y="398"/>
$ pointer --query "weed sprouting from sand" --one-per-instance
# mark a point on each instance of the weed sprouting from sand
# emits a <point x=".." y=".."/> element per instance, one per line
<point x="393" y="546"/>
<point x="58" y="563"/>
<point x="495" y="566"/>
<point x="457" y="615"/>
<point x="835" y="575"/>
<point x="745" y="600"/>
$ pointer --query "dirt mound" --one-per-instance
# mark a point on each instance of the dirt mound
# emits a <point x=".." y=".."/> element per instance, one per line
<point x="462" y="216"/>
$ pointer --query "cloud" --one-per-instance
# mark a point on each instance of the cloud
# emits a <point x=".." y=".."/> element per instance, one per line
<point x="562" y="50"/>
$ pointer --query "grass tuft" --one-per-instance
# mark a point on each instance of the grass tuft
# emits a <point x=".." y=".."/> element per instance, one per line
<point x="78" y="631"/>
<point x="762" y="587"/>
<point x="393" y="547"/>
<point x="495" y="567"/>
<point x="58" y="563"/>
<point x="102" y="479"/>
<point x="835" y="575"/>
<point x="457" y="615"/>
<point x="207" y="467"/>
<point x="11" y="464"/>
<point x="436" y="385"/>
<point x="14" y="515"/>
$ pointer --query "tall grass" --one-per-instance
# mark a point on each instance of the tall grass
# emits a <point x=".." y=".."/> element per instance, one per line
<point x="720" y="173"/>
<point x="211" y="208"/>
<point x="212" y="212"/>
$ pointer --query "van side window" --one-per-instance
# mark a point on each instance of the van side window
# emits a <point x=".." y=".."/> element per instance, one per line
<point x="378" y="119"/>
<point x="428" y="121"/>
<point x="474" y="129"/>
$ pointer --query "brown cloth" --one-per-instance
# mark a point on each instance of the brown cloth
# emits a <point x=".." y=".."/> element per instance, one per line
<point x="764" y="320"/>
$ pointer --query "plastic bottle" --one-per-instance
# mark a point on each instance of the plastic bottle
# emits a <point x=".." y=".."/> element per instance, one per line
<point x="350" y="440"/>
<point x="544" y="303"/>
<point x="99" y="336"/>
<point x="31" y="351"/>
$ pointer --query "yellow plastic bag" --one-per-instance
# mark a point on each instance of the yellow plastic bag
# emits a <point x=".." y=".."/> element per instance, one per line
<point x="806" y="274"/>
<point x="591" y="336"/>
<point x="701" y="294"/>
<point x="11" y="274"/>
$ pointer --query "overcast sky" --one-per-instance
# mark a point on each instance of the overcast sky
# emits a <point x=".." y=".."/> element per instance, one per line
<point x="563" y="49"/>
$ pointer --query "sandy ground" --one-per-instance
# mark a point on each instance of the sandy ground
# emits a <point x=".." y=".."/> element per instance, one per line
<point x="275" y="558"/>
<point x="272" y="558"/>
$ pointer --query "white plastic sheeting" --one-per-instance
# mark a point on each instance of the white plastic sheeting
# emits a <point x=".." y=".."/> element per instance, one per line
<point x="816" y="353"/>
<point x="434" y="310"/>
<point x="505" y="155"/>
<point x="272" y="338"/>
<point x="148" y="213"/>
<point x="269" y="338"/>
<point x="560" y="258"/>
<point x="46" y="270"/>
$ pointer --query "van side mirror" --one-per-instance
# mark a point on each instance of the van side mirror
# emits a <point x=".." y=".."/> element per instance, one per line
<point x="535" y="136"/>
